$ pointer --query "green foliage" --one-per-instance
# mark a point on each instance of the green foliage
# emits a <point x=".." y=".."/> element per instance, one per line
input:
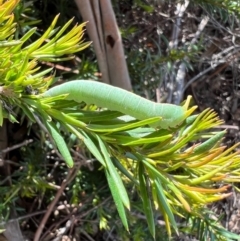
<point x="223" y="7"/>
<point x="174" y="170"/>
<point x="29" y="179"/>
<point x="208" y="228"/>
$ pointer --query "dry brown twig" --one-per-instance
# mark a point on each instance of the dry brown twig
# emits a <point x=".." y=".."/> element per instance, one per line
<point x="70" y="176"/>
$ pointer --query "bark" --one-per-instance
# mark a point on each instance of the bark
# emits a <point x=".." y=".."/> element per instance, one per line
<point x="103" y="31"/>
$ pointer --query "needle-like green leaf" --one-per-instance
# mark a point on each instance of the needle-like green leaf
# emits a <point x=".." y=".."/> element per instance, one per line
<point x="89" y="142"/>
<point x="164" y="203"/>
<point x="61" y="144"/>
<point x="114" y="174"/>
<point x="122" y="127"/>
<point x="210" y="143"/>
<point x="124" y="171"/>
<point x="147" y="206"/>
<point x="117" y="199"/>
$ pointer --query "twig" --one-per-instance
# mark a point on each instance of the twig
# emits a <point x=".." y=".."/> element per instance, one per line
<point x="227" y="127"/>
<point x="23" y="217"/>
<point x="71" y="174"/>
<point x="63" y="220"/>
<point x="86" y="235"/>
<point x="180" y="78"/>
<point x="213" y="66"/>
<point x="92" y="209"/>
<point x="180" y="9"/>
<point x="62" y="231"/>
<point x="198" y="76"/>
<point x="60" y="67"/>
<point x="50" y="137"/>
<point x="24" y="143"/>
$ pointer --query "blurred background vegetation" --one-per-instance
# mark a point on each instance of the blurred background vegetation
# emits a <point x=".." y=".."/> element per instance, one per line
<point x="206" y="50"/>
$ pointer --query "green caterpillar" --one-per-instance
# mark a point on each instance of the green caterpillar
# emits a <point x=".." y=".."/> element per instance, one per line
<point x="114" y="98"/>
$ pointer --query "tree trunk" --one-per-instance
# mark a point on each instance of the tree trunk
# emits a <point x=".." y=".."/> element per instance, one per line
<point x="103" y="31"/>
